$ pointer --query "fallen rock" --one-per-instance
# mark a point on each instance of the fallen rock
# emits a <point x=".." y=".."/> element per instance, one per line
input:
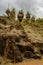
<point x="21" y="48"/>
<point x="41" y="50"/>
<point x="9" y="49"/>
<point x="37" y="56"/>
<point x="28" y="54"/>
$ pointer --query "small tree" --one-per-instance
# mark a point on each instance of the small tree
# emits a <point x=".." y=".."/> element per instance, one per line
<point x="8" y="12"/>
<point x="20" y="15"/>
<point x="33" y="19"/>
<point x="27" y="16"/>
<point x="12" y="14"/>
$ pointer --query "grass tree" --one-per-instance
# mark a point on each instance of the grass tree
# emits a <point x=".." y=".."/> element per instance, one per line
<point x="8" y="12"/>
<point x="33" y="19"/>
<point x="20" y="15"/>
<point x="27" y="16"/>
<point x="12" y="14"/>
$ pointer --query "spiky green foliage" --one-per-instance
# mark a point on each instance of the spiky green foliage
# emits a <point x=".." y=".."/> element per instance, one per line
<point x="8" y="12"/>
<point x="32" y="19"/>
<point x="12" y="13"/>
<point x="27" y="16"/>
<point x="20" y="15"/>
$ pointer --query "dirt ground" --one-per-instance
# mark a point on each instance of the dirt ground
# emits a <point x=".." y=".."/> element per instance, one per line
<point x="29" y="62"/>
<point x="25" y="62"/>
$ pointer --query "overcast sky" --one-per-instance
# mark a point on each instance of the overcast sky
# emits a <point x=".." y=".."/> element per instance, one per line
<point x="33" y="6"/>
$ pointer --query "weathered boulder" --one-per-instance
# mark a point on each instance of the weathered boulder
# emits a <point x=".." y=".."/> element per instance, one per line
<point x="41" y="50"/>
<point x="29" y="48"/>
<point x="9" y="49"/>
<point x="28" y="54"/>
<point x="37" y="56"/>
<point x="2" y="45"/>
<point x="21" y="48"/>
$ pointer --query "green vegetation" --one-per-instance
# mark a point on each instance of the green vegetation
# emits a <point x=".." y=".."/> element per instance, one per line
<point x="20" y="15"/>
<point x="27" y="16"/>
<point x="21" y="33"/>
<point x="11" y="14"/>
<point x="35" y="25"/>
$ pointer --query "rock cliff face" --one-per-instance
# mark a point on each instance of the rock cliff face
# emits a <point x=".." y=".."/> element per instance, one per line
<point x="9" y="49"/>
<point x="15" y="43"/>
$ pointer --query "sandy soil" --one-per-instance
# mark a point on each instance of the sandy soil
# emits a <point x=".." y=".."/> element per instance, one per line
<point x="25" y="62"/>
<point x="29" y="62"/>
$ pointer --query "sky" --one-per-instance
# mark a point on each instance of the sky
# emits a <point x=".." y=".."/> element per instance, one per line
<point x="33" y="6"/>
